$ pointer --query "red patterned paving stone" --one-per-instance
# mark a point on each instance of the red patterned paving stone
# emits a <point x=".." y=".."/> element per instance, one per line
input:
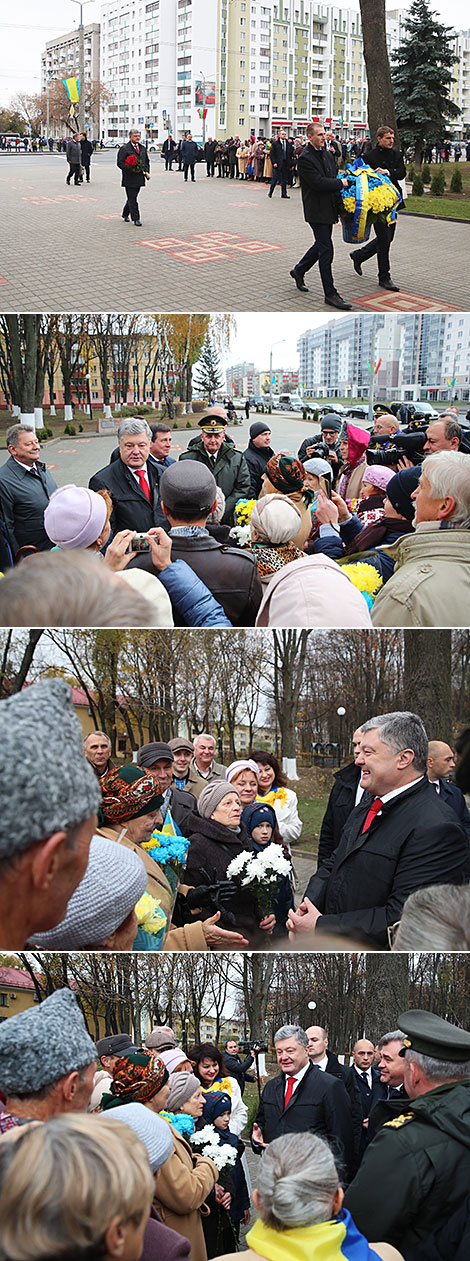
<point x="209" y="247"/>
<point x="403" y="301"/>
<point x="3" y="280"/>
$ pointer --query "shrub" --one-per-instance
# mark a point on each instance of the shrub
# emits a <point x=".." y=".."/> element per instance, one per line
<point x="80" y="428"/>
<point x="438" y="184"/>
<point x="198" y="407"/>
<point x="456" y="185"/>
<point x="175" y="426"/>
<point x="315" y="416"/>
<point x="42" y="434"/>
<point x="304" y="413"/>
<point x="426" y="174"/>
<point x="179" y="409"/>
<point x="418" y="186"/>
<point x="188" y="424"/>
<point x="411" y="172"/>
<point x="70" y="430"/>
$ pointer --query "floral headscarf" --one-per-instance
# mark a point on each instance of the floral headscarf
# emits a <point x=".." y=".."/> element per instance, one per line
<point x="136" y="1079"/>
<point x="129" y="793"/>
<point x="285" y="473"/>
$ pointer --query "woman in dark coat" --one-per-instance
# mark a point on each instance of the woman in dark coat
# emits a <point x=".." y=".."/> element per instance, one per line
<point x="216" y="837"/>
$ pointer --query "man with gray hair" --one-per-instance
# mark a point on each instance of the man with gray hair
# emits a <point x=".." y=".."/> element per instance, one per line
<point x="133" y="161"/>
<point x="430" y="584"/>
<point x="48" y="810"/>
<point x="407" y="837"/>
<point x="26" y="486"/>
<point x="47" y="1061"/>
<point x="204" y="763"/>
<point x="97" y="750"/>
<point x="133" y="481"/>
<point x="416" y="1171"/>
<point x="303" y="1099"/>
<point x="391" y="1064"/>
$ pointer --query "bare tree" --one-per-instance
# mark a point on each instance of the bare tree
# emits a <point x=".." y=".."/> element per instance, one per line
<point x="380" y="101"/>
<point x="290" y="648"/>
<point x="387" y="989"/>
<point x="428" y="680"/>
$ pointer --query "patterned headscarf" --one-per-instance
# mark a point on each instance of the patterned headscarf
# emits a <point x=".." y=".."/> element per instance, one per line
<point x="285" y="473"/>
<point x="129" y="793"/>
<point x="137" y="1078"/>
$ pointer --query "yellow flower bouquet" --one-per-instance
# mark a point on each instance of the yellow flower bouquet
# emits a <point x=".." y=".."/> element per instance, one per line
<point x="368" y="198"/>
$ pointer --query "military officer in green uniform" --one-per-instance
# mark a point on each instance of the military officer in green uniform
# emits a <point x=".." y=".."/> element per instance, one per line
<point x="220" y="455"/>
<point x="416" y="1171"/>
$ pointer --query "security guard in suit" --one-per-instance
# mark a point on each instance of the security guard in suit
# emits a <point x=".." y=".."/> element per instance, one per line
<point x="416" y="1172"/>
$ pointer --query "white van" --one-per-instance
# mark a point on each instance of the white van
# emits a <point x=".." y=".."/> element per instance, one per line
<point x="290" y="403"/>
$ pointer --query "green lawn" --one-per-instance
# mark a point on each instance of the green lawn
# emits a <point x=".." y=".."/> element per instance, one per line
<point x="451" y="207"/>
<point x="313" y="789"/>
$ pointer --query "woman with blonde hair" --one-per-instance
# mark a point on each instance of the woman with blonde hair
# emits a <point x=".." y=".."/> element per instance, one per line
<point x="74" y="1187"/>
<point x="299" y="1200"/>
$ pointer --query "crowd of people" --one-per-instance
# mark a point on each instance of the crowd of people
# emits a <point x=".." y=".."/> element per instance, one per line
<point x="177" y="851"/>
<point x="117" y="1150"/>
<point x="359" y="529"/>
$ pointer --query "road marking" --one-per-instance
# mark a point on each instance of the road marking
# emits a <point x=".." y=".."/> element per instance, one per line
<point x="208" y="247"/>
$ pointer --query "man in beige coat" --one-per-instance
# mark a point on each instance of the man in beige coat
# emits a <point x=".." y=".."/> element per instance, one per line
<point x="430" y="585"/>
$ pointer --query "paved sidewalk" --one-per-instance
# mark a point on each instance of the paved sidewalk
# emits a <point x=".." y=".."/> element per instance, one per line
<point x="215" y="245"/>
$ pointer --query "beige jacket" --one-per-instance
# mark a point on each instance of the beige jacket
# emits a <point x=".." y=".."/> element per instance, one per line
<point x="191" y="936"/>
<point x="180" y="1191"/>
<point x="430" y="585"/>
<point x="296" y="498"/>
<point x="313" y="591"/>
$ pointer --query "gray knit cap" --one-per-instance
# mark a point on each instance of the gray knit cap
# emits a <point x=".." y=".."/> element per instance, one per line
<point x="152" y="1130"/>
<point x="161" y="1038"/>
<point x="114" y="882"/>
<point x="212" y="794"/>
<point x="182" y="1087"/>
<point x="51" y="786"/>
<point x="41" y="1045"/>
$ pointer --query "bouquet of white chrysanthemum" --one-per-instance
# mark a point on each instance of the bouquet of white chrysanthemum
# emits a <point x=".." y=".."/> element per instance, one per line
<point x="262" y="872"/>
<point x="222" y="1154"/>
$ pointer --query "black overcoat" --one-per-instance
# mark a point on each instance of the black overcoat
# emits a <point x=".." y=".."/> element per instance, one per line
<point x="319" y="1104"/>
<point x="319" y="185"/>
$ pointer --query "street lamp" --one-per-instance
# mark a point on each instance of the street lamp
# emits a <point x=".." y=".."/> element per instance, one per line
<point x="311" y="1005"/>
<point x="50" y="76"/>
<point x="340" y="712"/>
<point x="81" y="66"/>
<point x="279" y="343"/>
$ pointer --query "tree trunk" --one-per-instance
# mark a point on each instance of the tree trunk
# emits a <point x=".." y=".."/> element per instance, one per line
<point x="428" y="680"/>
<point x="387" y="989"/>
<point x="380" y="104"/>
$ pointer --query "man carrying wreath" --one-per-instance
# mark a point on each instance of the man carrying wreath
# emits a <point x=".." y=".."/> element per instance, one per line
<point x="133" y="161"/>
<point x="386" y="161"/>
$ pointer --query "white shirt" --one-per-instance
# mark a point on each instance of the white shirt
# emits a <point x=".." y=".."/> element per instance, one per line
<point x="359" y="793"/>
<point x="368" y="1072"/>
<point x="297" y="1077"/>
<point x="396" y="791"/>
<point x="322" y="1064"/>
<point x="136" y="471"/>
<point x="28" y="467"/>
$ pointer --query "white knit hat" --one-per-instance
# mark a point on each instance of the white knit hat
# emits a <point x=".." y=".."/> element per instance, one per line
<point x="152" y="1130"/>
<point x="236" y="768"/>
<point x="114" y="881"/>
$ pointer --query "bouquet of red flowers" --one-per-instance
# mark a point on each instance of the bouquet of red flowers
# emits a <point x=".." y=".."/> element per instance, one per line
<point x="134" y="163"/>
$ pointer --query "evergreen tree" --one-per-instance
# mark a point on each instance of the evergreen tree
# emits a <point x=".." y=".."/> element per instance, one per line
<point x="422" y="79"/>
<point x="207" y="373"/>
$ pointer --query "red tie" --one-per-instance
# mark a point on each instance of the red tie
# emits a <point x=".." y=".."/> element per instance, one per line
<point x="374" y="809"/>
<point x="290" y="1088"/>
<point x="143" y="482"/>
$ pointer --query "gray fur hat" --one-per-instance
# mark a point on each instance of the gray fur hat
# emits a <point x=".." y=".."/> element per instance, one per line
<point x="114" y="882"/>
<point x="212" y="795"/>
<point x="41" y="1045"/>
<point x="51" y="786"/>
<point x="182" y="1087"/>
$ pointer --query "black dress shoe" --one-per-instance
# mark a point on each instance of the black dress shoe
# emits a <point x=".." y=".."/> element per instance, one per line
<point x="356" y="262"/>
<point x="388" y="284"/>
<point x="285" y="197"/>
<point x="299" y="280"/>
<point x="337" y="301"/>
<point x="125" y="218"/>
<point x="138" y="223"/>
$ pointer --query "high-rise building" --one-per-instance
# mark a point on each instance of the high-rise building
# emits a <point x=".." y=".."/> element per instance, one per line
<point x="60" y="60"/>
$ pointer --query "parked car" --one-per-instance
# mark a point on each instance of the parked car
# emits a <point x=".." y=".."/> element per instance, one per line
<point x="112" y="144"/>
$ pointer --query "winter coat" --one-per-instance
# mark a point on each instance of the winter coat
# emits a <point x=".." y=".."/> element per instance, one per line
<point x="180" y="1190"/>
<point x="352" y="473"/>
<point x="415" y="841"/>
<point x="73" y="152"/>
<point x="450" y="1242"/>
<point x="131" y="178"/>
<point x="212" y="847"/>
<point x="229" y="572"/>
<point x="284" y="804"/>
<point x="189" y="151"/>
<point x="256" y="458"/>
<point x="319" y="1104"/>
<point x="453" y="796"/>
<point x="313" y="592"/>
<point x="182" y="803"/>
<point x="191" y="937"/>
<point x="418" y="1165"/>
<point x="319" y="185"/>
<point x="23" y="500"/>
<point x="364" y="1100"/>
<point x="391" y="160"/>
<point x="340" y="803"/>
<point x="230" y="472"/>
<point x="354" y="541"/>
<point x="160" y="1241"/>
<point x="131" y="508"/>
<point x="430" y="585"/>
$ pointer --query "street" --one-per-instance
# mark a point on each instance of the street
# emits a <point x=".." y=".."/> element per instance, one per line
<point x="215" y="245"/>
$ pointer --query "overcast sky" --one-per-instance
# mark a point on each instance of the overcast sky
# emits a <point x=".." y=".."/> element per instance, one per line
<point x="29" y="25"/>
<point x="256" y="334"/>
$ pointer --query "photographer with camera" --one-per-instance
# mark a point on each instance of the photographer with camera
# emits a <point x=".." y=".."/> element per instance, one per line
<point x="342" y="532"/>
<point x="326" y="444"/>
<point x="237" y="1068"/>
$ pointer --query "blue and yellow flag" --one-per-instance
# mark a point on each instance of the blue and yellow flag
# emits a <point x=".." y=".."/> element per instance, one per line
<point x="336" y="1240"/>
<point x="72" y="88"/>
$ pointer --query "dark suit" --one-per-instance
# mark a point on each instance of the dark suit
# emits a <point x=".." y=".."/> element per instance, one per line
<point x="23" y="500"/>
<point x="169" y="147"/>
<point x="341" y="801"/>
<point x="319" y="185"/>
<point x="182" y="804"/>
<point x="131" y="508"/>
<point x="239" y="1070"/>
<point x="282" y="157"/>
<point x="454" y="797"/>
<point x="415" y="841"/>
<point x="132" y="180"/>
<point x="230" y="574"/>
<point x="364" y="1097"/>
<point x="319" y="1104"/>
<point x="390" y="160"/>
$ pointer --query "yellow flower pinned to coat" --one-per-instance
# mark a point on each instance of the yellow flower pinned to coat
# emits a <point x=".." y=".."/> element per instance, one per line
<point x="365" y="577"/>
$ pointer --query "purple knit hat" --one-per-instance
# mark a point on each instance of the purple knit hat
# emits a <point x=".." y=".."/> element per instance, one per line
<point x="75" y="516"/>
<point x="378" y="475"/>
